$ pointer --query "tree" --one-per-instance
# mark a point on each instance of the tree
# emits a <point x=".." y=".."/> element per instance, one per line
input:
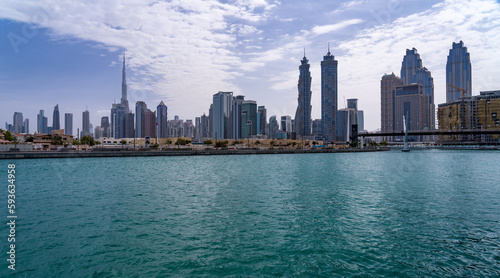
<point x="221" y="144"/>
<point x="315" y="143"/>
<point x="271" y="143"/>
<point x="384" y="143"/>
<point x="168" y="142"/>
<point x="29" y="139"/>
<point x="9" y="136"/>
<point x="207" y="142"/>
<point x="87" y="140"/>
<point x="123" y="142"/>
<point x="257" y="142"/>
<point x="56" y="140"/>
<point x="181" y="141"/>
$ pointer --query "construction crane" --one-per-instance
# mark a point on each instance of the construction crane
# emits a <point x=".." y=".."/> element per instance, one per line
<point x="460" y="89"/>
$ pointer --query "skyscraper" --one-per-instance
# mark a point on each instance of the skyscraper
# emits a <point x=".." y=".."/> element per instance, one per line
<point x="273" y="127"/>
<point x="26" y="127"/>
<point x="458" y="72"/>
<point x="18" y="122"/>
<point x="105" y="127"/>
<point x="42" y="122"/>
<point x="140" y="120"/>
<point x="68" y="124"/>
<point x="162" y="120"/>
<point x="261" y="120"/>
<point x="55" y="118"/>
<point x="286" y="123"/>
<point x="222" y="115"/>
<point x="303" y="114"/>
<point x="411" y="63"/>
<point x="329" y="96"/>
<point x="150" y="124"/>
<point x="236" y="116"/>
<point x="128" y="124"/>
<point x="86" y="123"/>
<point x="248" y="118"/>
<point x="124" y="100"/>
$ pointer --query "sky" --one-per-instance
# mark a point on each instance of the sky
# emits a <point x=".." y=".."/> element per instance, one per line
<point x="183" y="52"/>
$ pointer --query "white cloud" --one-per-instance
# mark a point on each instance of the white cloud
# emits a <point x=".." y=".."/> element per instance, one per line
<point x="323" y="29"/>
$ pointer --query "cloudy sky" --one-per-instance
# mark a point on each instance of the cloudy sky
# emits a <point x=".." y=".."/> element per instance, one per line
<point x="182" y="52"/>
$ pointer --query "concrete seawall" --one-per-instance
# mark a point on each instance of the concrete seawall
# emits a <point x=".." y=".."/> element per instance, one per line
<point x="82" y="154"/>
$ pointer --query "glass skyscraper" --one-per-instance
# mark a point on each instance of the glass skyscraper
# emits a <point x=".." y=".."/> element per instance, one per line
<point x="18" y="122"/>
<point x="140" y="120"/>
<point x="458" y="72"/>
<point x="55" y="119"/>
<point x="248" y="119"/>
<point x="68" y="123"/>
<point x="329" y="96"/>
<point x="303" y="113"/>
<point x="86" y="123"/>
<point x="162" y="120"/>
<point x="273" y="127"/>
<point x="222" y="110"/>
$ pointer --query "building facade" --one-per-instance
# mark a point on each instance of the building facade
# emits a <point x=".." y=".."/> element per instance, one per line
<point x="273" y="127"/>
<point x="458" y="72"/>
<point x="41" y="126"/>
<point x="56" y="118"/>
<point x="248" y="119"/>
<point x="140" y="119"/>
<point x="162" y="120"/>
<point x="329" y="97"/>
<point x="261" y="120"/>
<point x="303" y="113"/>
<point x="222" y="109"/>
<point x="86" y="129"/>
<point x="68" y="124"/>
<point x="18" y="122"/>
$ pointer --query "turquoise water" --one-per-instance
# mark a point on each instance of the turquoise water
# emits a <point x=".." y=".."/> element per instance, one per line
<point x="426" y="213"/>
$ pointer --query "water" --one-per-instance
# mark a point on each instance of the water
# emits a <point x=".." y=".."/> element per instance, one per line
<point x="425" y="213"/>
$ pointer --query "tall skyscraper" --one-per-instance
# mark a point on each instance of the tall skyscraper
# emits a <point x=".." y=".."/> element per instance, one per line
<point x="388" y="86"/>
<point x="162" y="120"/>
<point x="118" y="112"/>
<point x="124" y="100"/>
<point x="458" y="72"/>
<point x="236" y="116"/>
<point x="18" y="122"/>
<point x="106" y="130"/>
<point x="140" y="118"/>
<point x="261" y="120"/>
<point x="55" y="118"/>
<point x="128" y="124"/>
<point x="42" y="123"/>
<point x="68" y="124"/>
<point x="86" y="123"/>
<point x="248" y="118"/>
<point x="303" y="114"/>
<point x="286" y="123"/>
<point x="273" y="127"/>
<point x="329" y="96"/>
<point x="150" y="124"/>
<point x="412" y="72"/>
<point x="26" y="127"/>
<point x="222" y="115"/>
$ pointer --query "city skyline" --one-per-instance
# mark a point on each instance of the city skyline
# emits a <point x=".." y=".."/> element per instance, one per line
<point x="254" y="53"/>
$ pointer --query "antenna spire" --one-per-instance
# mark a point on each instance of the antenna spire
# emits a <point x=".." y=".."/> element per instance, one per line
<point x="304" y="52"/>
<point x="328" y="48"/>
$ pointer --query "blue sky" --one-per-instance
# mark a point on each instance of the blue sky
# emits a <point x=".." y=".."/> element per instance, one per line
<point x="182" y="52"/>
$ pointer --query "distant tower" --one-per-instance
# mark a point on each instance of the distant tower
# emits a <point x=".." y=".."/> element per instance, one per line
<point x="303" y="113"/>
<point x="18" y="122"/>
<point x="458" y="72"/>
<point x="411" y="63"/>
<point x="140" y="118"/>
<point x="124" y="100"/>
<point x="42" y="123"/>
<point x="222" y="110"/>
<point x="55" y="119"/>
<point x="85" y="123"/>
<point x="162" y="120"/>
<point x="68" y="124"/>
<point x="329" y="95"/>
<point x="105" y="126"/>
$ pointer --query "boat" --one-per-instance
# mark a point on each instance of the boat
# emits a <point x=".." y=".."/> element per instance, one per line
<point x="405" y="146"/>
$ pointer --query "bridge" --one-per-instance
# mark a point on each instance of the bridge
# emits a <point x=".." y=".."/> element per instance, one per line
<point x="362" y="135"/>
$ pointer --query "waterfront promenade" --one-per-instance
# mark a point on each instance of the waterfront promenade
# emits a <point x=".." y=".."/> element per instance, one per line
<point x="173" y="152"/>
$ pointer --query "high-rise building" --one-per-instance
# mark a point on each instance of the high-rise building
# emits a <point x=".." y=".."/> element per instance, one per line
<point x="210" y="120"/>
<point x="150" y="125"/>
<point x="261" y="120"/>
<point x="303" y="113"/>
<point x="105" y="127"/>
<point x="317" y="127"/>
<point x="124" y="100"/>
<point x="248" y="120"/>
<point x="286" y="123"/>
<point x="26" y="127"/>
<point x="273" y="127"/>
<point x="329" y="96"/>
<point x="42" y="123"/>
<point x="222" y="115"/>
<point x="140" y="120"/>
<point x="388" y="86"/>
<point x="68" y="123"/>
<point x="162" y="120"/>
<point x="236" y="116"/>
<point x="347" y="120"/>
<point x="18" y="122"/>
<point x="119" y="111"/>
<point x="409" y="102"/>
<point x="128" y="124"/>
<point x="55" y="118"/>
<point x="189" y="129"/>
<point x="458" y="72"/>
<point x="86" y="123"/>
<point x="411" y="63"/>
<point x="197" y="128"/>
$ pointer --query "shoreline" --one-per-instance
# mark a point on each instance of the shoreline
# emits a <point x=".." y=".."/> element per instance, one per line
<point x="83" y="154"/>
